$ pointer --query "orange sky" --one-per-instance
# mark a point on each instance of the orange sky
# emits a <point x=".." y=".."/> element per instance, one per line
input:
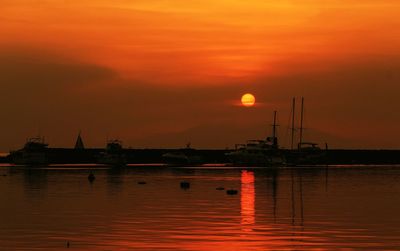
<point x="204" y="54"/>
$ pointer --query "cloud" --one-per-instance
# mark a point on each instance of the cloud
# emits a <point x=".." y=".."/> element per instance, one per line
<point x="39" y="69"/>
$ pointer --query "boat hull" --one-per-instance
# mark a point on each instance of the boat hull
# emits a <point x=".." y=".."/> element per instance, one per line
<point x="263" y="159"/>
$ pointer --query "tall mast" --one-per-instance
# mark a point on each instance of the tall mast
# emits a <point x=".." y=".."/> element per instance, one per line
<point x="293" y="118"/>
<point x="274" y="138"/>
<point x="301" y="121"/>
<point x="274" y="127"/>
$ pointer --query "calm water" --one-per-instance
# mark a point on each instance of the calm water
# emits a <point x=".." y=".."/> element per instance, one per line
<point x="288" y="209"/>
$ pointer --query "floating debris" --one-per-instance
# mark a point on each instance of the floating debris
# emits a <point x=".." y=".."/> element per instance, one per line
<point x="91" y="177"/>
<point x="220" y="188"/>
<point x="185" y="185"/>
<point x="231" y="192"/>
<point x="142" y="182"/>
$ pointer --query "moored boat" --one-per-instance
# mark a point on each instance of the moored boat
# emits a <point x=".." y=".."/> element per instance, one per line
<point x="307" y="153"/>
<point x="185" y="156"/>
<point x="113" y="154"/>
<point x="262" y="153"/>
<point x="34" y="152"/>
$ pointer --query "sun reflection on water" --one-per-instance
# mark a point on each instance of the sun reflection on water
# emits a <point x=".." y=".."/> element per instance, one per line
<point x="247" y="200"/>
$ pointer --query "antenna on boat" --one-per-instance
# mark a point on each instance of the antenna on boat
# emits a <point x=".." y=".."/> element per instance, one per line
<point x="301" y="122"/>
<point x="293" y="118"/>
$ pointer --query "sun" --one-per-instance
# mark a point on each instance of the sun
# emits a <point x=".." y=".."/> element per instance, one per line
<point x="248" y="100"/>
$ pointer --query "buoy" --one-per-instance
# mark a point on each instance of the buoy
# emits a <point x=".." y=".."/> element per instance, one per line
<point x="220" y="188"/>
<point x="142" y="182"/>
<point x="91" y="177"/>
<point x="185" y="185"/>
<point x="67" y="244"/>
<point x="231" y="192"/>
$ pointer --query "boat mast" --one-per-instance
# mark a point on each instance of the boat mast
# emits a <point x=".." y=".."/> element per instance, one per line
<point x="275" y="141"/>
<point x="293" y="118"/>
<point x="274" y="126"/>
<point x="301" y="122"/>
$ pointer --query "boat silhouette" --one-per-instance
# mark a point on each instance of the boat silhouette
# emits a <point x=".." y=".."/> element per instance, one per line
<point x="307" y="153"/>
<point x="184" y="156"/>
<point x="113" y="155"/>
<point x="263" y="153"/>
<point x="34" y="152"/>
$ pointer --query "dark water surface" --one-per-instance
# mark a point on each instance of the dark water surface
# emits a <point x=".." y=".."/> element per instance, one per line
<point x="341" y="208"/>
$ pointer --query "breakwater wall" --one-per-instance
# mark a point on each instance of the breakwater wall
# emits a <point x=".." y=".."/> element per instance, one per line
<point x="145" y="156"/>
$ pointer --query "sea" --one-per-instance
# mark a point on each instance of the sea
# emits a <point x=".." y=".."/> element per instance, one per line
<point x="197" y="208"/>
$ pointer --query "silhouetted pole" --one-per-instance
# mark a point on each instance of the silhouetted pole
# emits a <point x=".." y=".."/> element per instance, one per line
<point x="275" y="142"/>
<point x="274" y="126"/>
<point x="301" y="122"/>
<point x="293" y="118"/>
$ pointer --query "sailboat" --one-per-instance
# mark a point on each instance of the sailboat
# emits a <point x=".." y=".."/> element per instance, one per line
<point x="79" y="143"/>
<point x="307" y="152"/>
<point x="262" y="153"/>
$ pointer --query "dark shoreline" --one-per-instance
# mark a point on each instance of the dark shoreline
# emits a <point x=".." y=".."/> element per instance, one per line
<point x="143" y="156"/>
